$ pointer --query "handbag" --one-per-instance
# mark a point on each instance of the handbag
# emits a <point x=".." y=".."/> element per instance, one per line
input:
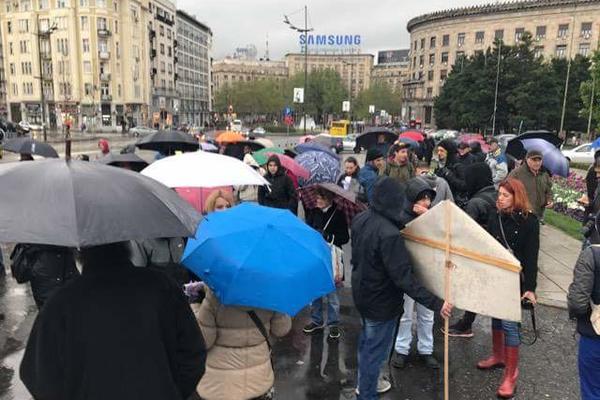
<point x="337" y="256"/>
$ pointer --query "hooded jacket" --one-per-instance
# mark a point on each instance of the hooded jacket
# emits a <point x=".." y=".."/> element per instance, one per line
<point x="414" y="188"/>
<point x="442" y="190"/>
<point x="585" y="288"/>
<point x="481" y="191"/>
<point x="281" y="193"/>
<point x="477" y="152"/>
<point x="452" y="171"/>
<point x="382" y="269"/>
<point x="401" y="173"/>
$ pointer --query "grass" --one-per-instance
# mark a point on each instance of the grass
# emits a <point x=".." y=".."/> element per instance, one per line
<point x="566" y="224"/>
<point x="581" y="166"/>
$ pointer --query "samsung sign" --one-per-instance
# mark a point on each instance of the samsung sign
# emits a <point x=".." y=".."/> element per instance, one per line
<point x="330" y="40"/>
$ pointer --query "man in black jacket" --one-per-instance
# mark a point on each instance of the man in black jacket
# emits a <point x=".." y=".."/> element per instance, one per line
<point x="464" y="154"/>
<point x="117" y="332"/>
<point x="451" y="170"/>
<point x="381" y="274"/>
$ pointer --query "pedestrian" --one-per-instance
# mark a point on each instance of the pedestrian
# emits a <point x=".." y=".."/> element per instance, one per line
<point x="537" y="183"/>
<point x="46" y="268"/>
<point x="400" y="167"/>
<point x="591" y="181"/>
<point x="382" y="145"/>
<point x="104" y="148"/>
<point x="439" y="185"/>
<point x="429" y="147"/>
<point x="497" y="162"/>
<point x="584" y="293"/>
<point x="477" y="151"/>
<point x="249" y="193"/>
<point x="238" y="366"/>
<point x="331" y="223"/>
<point x="381" y="274"/>
<point x="451" y="170"/>
<point x="419" y="197"/>
<point x="218" y="200"/>
<point x="369" y="174"/>
<point x="480" y="207"/>
<point x="280" y="193"/>
<point x="464" y="154"/>
<point x="516" y="227"/>
<point x="25" y="157"/>
<point x="161" y="254"/>
<point x="349" y="179"/>
<point x="117" y="332"/>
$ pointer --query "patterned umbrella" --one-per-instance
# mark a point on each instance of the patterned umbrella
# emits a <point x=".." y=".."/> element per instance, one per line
<point x="322" y="166"/>
<point x="314" y="146"/>
<point x="344" y="200"/>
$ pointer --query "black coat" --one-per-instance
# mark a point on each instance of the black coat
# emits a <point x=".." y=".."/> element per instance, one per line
<point x="453" y="172"/>
<point x="117" y="332"/>
<point x="467" y="159"/>
<point x="281" y="193"/>
<point x="336" y="230"/>
<point x="481" y="192"/>
<point x="382" y="269"/>
<point x="413" y="189"/>
<point x="523" y="237"/>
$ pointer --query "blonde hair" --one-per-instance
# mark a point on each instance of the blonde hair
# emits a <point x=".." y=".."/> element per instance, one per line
<point x="211" y="200"/>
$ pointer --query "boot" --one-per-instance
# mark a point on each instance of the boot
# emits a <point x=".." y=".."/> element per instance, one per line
<point x="511" y="373"/>
<point x="497" y="358"/>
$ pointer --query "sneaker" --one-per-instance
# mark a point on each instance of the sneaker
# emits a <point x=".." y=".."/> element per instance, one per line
<point x="383" y="385"/>
<point x="312" y="327"/>
<point x="459" y="330"/>
<point x="399" y="360"/>
<point x="334" y="332"/>
<point x="430" y="361"/>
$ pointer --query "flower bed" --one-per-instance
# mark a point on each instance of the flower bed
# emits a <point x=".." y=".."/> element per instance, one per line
<point x="567" y="192"/>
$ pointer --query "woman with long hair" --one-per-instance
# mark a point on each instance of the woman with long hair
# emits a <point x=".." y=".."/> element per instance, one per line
<point x="219" y="200"/>
<point x="517" y="228"/>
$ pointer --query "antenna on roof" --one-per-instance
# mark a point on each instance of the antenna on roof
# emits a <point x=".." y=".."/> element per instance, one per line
<point x="267" y="48"/>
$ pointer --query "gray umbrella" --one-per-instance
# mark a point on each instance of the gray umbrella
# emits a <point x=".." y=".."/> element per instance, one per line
<point x="27" y="145"/>
<point x="168" y="142"/>
<point x="128" y="160"/>
<point x="82" y="204"/>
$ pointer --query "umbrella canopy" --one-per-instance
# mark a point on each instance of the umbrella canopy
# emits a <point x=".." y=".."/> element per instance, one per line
<point x="554" y="160"/>
<point x="344" y="200"/>
<point x="243" y="255"/>
<point x="168" y="142"/>
<point x="369" y="138"/>
<point x="292" y="166"/>
<point x="314" y="146"/>
<point x="206" y="146"/>
<point x="126" y="160"/>
<point x="321" y="166"/>
<point x="26" y="145"/>
<point x="262" y="156"/>
<point x="196" y="196"/>
<point x="229" y="137"/>
<point x="265" y="142"/>
<point x="202" y="169"/>
<point x="545" y="135"/>
<point x="290" y="153"/>
<point x="414" y="145"/>
<point x="414" y="135"/>
<point x="237" y="149"/>
<point x="305" y="139"/>
<point x="475" y="137"/>
<point x="87" y="204"/>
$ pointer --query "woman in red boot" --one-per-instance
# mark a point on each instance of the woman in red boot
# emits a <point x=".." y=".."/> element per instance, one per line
<point x="516" y="227"/>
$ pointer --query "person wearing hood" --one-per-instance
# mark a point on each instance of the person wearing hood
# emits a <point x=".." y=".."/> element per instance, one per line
<point x="451" y="169"/>
<point x="439" y="185"/>
<point x="464" y="154"/>
<point x="369" y="174"/>
<point x="400" y="167"/>
<point x="104" y="148"/>
<point x="481" y="206"/>
<point x="419" y="197"/>
<point x="497" y="162"/>
<point x="382" y="272"/>
<point x="477" y="151"/>
<point x="349" y="179"/>
<point x="280" y="193"/>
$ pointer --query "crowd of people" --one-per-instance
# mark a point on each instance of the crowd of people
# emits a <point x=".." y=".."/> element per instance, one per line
<point x="169" y="350"/>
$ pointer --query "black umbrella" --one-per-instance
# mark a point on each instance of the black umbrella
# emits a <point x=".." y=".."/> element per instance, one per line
<point x="546" y="135"/>
<point x="26" y="145"/>
<point x="168" y="142"/>
<point x="82" y="204"/>
<point x="127" y="160"/>
<point x="290" y="153"/>
<point x="369" y="138"/>
<point x="237" y="149"/>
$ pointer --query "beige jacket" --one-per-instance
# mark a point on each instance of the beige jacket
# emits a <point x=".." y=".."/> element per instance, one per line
<point x="238" y="366"/>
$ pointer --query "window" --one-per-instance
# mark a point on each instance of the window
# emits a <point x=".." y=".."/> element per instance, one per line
<point x="161" y="30"/>
<point x="162" y="48"/>
<point x="445" y="58"/>
<point x="104" y="89"/>
<point x="15" y="89"/>
<point x="119" y="90"/>
<point x="432" y="42"/>
<point x="61" y="22"/>
<point x="429" y="93"/>
<point x="421" y="74"/>
<point x="443" y="74"/>
<point x="10" y="48"/>
<point x="170" y="68"/>
<point x="44" y="5"/>
<point x="168" y="33"/>
<point x="539" y="51"/>
<point x="62" y="45"/>
<point x="116" y="26"/>
<point x="421" y="61"/>
<point x="563" y="31"/>
<point x="459" y="56"/>
<point x="101" y="3"/>
<point x="446" y="40"/>
<point x="101" y="24"/>
<point x="422" y="43"/>
<point x="23" y="25"/>
<point x="586" y="30"/>
<point x="87" y="67"/>
<point x="431" y="59"/>
<point x="461" y="39"/>
<point x="499" y="34"/>
<point x="84" y="3"/>
<point x="86" y="45"/>
<point x="24" y="46"/>
<point x="169" y="51"/>
<point x="540" y="33"/>
<point x="162" y="66"/>
<point x="561" y="51"/>
<point x="62" y="3"/>
<point x="116" y="6"/>
<point x="26" y="68"/>
<point x="415" y="45"/>
<point x="85" y="23"/>
<point x="479" y="36"/>
<point x="25" y="5"/>
<point x="584" y="49"/>
<point x="519" y="34"/>
<point x="9" y="26"/>
<point x="430" y="75"/>
<point x="88" y="88"/>
<point x="118" y="50"/>
<point x="12" y="68"/>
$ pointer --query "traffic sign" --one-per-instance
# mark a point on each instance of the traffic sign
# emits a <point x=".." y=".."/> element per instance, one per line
<point x="287" y="111"/>
<point x="345" y="106"/>
<point x="298" y="95"/>
<point x="371" y="109"/>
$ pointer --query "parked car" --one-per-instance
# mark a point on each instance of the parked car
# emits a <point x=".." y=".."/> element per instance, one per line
<point x="504" y="139"/>
<point x="236" y="125"/>
<point x="445" y="134"/>
<point x="141" y="131"/>
<point x="349" y="143"/>
<point x="257" y="132"/>
<point x="28" y="127"/>
<point x="580" y="154"/>
<point x="335" y="143"/>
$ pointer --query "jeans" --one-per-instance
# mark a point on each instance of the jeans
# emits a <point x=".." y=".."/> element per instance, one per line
<point x="424" y="328"/>
<point x="374" y="347"/>
<point x="511" y="331"/>
<point x="333" y="309"/>
<point x="589" y="367"/>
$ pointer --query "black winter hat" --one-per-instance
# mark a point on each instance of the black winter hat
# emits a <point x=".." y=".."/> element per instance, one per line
<point x="373" y="154"/>
<point x="449" y="145"/>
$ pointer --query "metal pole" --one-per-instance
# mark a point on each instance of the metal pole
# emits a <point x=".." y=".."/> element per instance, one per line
<point x="589" y="127"/>
<point x="562" y="117"/>
<point x="305" y="64"/>
<point x="42" y="97"/>
<point x="496" y="93"/>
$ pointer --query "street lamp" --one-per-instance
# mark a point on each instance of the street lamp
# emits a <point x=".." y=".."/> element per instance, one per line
<point x="40" y="35"/>
<point x="286" y="20"/>
<point x="351" y="66"/>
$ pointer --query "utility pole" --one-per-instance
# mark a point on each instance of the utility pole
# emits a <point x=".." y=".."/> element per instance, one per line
<point x="564" y="106"/>
<point x="497" y="84"/>
<point x="40" y="35"/>
<point x="589" y="127"/>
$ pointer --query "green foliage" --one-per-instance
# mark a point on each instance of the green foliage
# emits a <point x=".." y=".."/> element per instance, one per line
<point x="568" y="225"/>
<point x="585" y="93"/>
<point x="252" y="97"/>
<point x="381" y="96"/>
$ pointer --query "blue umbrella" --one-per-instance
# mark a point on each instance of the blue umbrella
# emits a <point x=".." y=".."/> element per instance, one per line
<point x="323" y="167"/>
<point x="596" y="144"/>
<point x="314" y="146"/>
<point x="261" y="257"/>
<point x="554" y="160"/>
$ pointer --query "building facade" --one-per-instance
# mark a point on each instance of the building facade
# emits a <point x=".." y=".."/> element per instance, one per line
<point x="354" y="69"/>
<point x="194" y="44"/>
<point x="229" y="71"/>
<point x="3" y="105"/>
<point x="560" y="28"/>
<point x="392" y="69"/>
<point x="92" y="58"/>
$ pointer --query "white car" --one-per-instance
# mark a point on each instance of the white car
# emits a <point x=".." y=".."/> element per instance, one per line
<point x="141" y="131"/>
<point x="580" y="154"/>
<point x="350" y="142"/>
<point x="236" y="125"/>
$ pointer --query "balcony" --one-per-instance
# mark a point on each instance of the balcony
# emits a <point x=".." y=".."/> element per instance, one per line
<point x="47" y="75"/>
<point x="103" y="32"/>
<point x="152" y="34"/>
<point x="176" y="77"/>
<point x="175" y="59"/>
<point x="152" y="53"/>
<point x="105" y="77"/>
<point x="46" y="55"/>
<point x="104" y="55"/>
<point x="166" y="20"/>
<point x="106" y="97"/>
<point x="175" y="44"/>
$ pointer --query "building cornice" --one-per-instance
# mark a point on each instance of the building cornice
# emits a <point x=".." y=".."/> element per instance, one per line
<point x="490" y="9"/>
<point x="191" y="19"/>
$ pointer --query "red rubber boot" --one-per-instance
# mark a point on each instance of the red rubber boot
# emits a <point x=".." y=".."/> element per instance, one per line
<point x="497" y="358"/>
<point x="511" y="373"/>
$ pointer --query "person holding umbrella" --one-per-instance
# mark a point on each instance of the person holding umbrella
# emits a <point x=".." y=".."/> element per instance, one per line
<point x="325" y="218"/>
<point x="281" y="192"/>
<point x="400" y="167"/>
<point x="537" y="182"/>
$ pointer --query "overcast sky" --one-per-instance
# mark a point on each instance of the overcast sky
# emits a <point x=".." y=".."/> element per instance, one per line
<point x="381" y="23"/>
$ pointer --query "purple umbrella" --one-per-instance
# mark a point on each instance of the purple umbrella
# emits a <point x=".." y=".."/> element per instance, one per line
<point x="554" y="160"/>
<point x="322" y="166"/>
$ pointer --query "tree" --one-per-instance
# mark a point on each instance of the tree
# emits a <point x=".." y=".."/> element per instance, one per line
<point x="252" y="97"/>
<point x="381" y="96"/>
<point x="585" y="92"/>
